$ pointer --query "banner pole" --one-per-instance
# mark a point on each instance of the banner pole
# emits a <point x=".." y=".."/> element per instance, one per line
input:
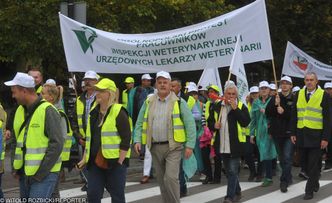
<point x="274" y="74"/>
<point x="229" y="76"/>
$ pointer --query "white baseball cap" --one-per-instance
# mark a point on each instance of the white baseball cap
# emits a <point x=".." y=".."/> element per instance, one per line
<point x="146" y="77"/>
<point x="192" y="87"/>
<point x="190" y="84"/>
<point x="91" y="75"/>
<point x="23" y="80"/>
<point x="296" y="88"/>
<point x="50" y="81"/>
<point x="328" y="85"/>
<point x="163" y="74"/>
<point x="286" y="78"/>
<point x="254" y="89"/>
<point x="273" y="86"/>
<point x="264" y="84"/>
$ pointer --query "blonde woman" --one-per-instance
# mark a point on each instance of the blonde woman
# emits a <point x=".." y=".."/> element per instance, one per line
<point x="53" y="94"/>
<point x="108" y="137"/>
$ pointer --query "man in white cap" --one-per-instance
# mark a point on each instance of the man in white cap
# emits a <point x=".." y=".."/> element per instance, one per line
<point x="140" y="94"/>
<point x="167" y="126"/>
<point x="328" y="161"/>
<point x="249" y="147"/>
<point x="273" y="89"/>
<point x="84" y="103"/>
<point x="38" y="140"/>
<point x="311" y="128"/>
<point x="279" y="113"/>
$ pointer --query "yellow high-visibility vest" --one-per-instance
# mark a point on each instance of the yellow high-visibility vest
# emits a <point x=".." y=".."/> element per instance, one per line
<point x="125" y="98"/>
<point x="179" y="133"/>
<point x="191" y="102"/>
<point x="80" y="108"/>
<point x="240" y="132"/>
<point x="36" y="141"/>
<point x="65" y="155"/>
<point x="309" y="114"/>
<point x="110" y="138"/>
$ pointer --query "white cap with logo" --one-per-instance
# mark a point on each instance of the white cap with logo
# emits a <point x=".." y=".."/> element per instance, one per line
<point x="192" y="87"/>
<point x="23" y="80"/>
<point x="328" y="85"/>
<point x="163" y="74"/>
<point x="91" y="75"/>
<point x="146" y="77"/>
<point x="253" y="89"/>
<point x="286" y="78"/>
<point x="50" y="81"/>
<point x="264" y="84"/>
<point x="273" y="86"/>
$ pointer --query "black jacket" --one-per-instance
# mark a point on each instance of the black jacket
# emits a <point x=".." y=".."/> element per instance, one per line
<point x="307" y="137"/>
<point x="280" y="123"/>
<point x="238" y="115"/>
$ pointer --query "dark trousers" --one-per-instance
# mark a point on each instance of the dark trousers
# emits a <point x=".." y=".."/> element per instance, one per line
<point x="267" y="167"/>
<point x="207" y="164"/>
<point x="113" y="179"/>
<point x="285" y="152"/>
<point x="232" y="166"/>
<point x="182" y="180"/>
<point x="249" y="158"/>
<point x="312" y="157"/>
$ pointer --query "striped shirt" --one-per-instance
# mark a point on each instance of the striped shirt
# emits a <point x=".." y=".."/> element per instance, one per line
<point x="159" y="122"/>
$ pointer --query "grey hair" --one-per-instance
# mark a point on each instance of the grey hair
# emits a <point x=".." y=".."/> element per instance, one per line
<point x="310" y="73"/>
<point x="230" y="85"/>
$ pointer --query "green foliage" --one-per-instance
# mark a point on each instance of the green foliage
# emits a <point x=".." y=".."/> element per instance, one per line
<point x="30" y="31"/>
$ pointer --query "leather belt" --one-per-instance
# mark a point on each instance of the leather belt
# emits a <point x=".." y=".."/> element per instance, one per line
<point x="165" y="142"/>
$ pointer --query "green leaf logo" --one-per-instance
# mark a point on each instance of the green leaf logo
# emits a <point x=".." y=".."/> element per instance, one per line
<point x="86" y="37"/>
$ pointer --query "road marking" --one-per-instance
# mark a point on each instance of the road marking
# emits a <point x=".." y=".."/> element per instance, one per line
<point x="145" y="193"/>
<point x="76" y="192"/>
<point x="215" y="193"/>
<point x="277" y="196"/>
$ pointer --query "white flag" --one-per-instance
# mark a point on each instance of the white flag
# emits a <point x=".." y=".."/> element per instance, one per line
<point x="210" y="76"/>
<point x="237" y="69"/>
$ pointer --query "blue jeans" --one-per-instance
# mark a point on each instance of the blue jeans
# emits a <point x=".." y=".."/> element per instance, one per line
<point x="285" y="152"/>
<point x="1" y="193"/>
<point x="232" y="172"/>
<point x="44" y="188"/>
<point x="113" y="179"/>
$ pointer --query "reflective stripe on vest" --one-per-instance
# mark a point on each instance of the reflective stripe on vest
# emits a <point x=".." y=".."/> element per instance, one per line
<point x="125" y="98"/>
<point x="179" y="133"/>
<point x="191" y="102"/>
<point x="309" y="114"/>
<point x="240" y="131"/>
<point x="65" y="155"/>
<point x="36" y="142"/>
<point x="110" y="138"/>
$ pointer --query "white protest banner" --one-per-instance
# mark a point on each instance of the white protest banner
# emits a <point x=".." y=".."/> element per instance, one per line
<point x="297" y="63"/>
<point x="183" y="49"/>
<point x="237" y="69"/>
<point x="210" y="76"/>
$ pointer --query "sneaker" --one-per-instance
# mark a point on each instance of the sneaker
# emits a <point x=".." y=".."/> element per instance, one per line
<point x="267" y="182"/>
<point x="283" y="187"/>
<point x="202" y="177"/>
